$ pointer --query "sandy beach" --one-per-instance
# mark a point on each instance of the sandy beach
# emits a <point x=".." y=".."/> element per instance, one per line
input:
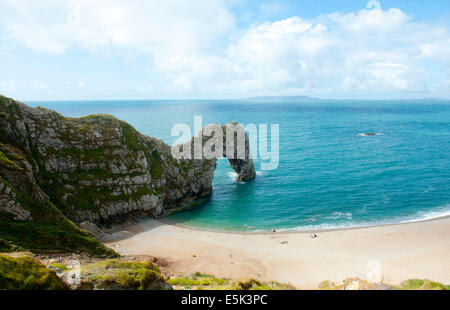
<point x="391" y="253"/>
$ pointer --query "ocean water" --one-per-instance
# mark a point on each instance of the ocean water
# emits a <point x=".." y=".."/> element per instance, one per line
<point x="329" y="175"/>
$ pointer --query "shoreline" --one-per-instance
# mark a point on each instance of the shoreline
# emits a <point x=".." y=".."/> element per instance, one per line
<point x="286" y="230"/>
<point x="402" y="251"/>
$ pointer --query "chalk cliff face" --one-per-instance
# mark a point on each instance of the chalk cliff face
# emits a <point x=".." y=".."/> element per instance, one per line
<point x="97" y="168"/>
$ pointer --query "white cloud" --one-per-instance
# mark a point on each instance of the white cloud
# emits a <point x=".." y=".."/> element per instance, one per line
<point x="7" y="86"/>
<point x="79" y="83"/>
<point x="39" y="85"/>
<point x="386" y="76"/>
<point x="196" y="49"/>
<point x="181" y="82"/>
<point x="438" y="50"/>
<point x="145" y="89"/>
<point x="371" y="51"/>
<point x="370" y="22"/>
<point x="373" y="4"/>
<point x="154" y="26"/>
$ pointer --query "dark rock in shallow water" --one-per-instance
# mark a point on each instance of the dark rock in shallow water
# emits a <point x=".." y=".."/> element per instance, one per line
<point x="369" y="134"/>
<point x="100" y="169"/>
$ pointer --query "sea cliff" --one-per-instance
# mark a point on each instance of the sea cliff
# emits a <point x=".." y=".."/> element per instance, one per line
<point x="96" y="169"/>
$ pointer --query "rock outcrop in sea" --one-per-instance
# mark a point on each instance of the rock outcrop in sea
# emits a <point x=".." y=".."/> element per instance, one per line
<point x="97" y="168"/>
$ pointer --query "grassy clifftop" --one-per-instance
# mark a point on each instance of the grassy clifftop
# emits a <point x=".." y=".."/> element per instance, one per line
<point x="28" y="218"/>
<point x="24" y="273"/>
<point x="132" y="273"/>
<point x="114" y="274"/>
<point x="95" y="169"/>
<point x="199" y="281"/>
<point x="98" y="168"/>
<point x="56" y="171"/>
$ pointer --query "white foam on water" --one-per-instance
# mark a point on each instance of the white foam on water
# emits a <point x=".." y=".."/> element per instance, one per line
<point x="260" y="173"/>
<point x="437" y="213"/>
<point x="430" y="215"/>
<point x="340" y="215"/>
<point x="420" y="216"/>
<point x="326" y="227"/>
<point x="232" y="175"/>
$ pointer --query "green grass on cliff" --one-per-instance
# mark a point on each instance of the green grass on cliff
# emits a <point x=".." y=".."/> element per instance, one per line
<point x="199" y="281"/>
<point x="61" y="267"/>
<point x="131" y="136"/>
<point x="76" y="190"/>
<point x="91" y="197"/>
<point x="123" y="275"/>
<point x="8" y="163"/>
<point x="48" y="231"/>
<point x="419" y="284"/>
<point x="46" y="237"/>
<point x="157" y="167"/>
<point x="25" y="273"/>
<point x="100" y="116"/>
<point x="6" y="246"/>
<point x="356" y="283"/>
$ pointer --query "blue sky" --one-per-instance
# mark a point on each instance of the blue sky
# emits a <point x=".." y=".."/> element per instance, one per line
<point x="176" y="49"/>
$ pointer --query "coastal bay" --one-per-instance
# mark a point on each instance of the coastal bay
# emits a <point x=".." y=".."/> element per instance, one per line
<point x="210" y="147"/>
<point x="403" y="251"/>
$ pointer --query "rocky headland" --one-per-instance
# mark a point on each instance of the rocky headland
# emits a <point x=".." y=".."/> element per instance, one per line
<point x="57" y="173"/>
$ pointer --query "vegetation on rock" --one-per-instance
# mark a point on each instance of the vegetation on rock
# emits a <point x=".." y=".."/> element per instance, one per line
<point x="41" y="226"/>
<point x="360" y="284"/>
<point x="6" y="162"/>
<point x="419" y="284"/>
<point x="199" y="281"/>
<point x="56" y="171"/>
<point x="24" y="273"/>
<point x="60" y="266"/>
<point x="52" y="233"/>
<point x="114" y="274"/>
<point x="27" y="273"/>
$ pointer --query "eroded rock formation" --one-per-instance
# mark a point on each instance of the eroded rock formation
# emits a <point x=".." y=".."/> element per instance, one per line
<point x="98" y="168"/>
<point x="231" y="141"/>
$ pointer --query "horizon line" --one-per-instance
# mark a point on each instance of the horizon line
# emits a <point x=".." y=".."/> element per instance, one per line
<point x="302" y="97"/>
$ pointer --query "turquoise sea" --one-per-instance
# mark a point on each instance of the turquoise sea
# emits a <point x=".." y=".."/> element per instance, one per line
<point x="329" y="176"/>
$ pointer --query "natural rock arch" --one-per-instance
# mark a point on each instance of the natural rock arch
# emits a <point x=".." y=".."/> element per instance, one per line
<point x="235" y="147"/>
<point x="98" y="168"/>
